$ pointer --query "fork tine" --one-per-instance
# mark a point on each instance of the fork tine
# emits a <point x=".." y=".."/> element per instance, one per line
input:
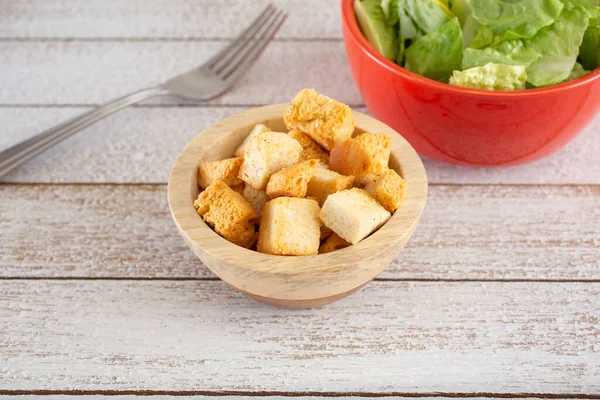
<point x="245" y="59"/>
<point x="239" y="40"/>
<point x="243" y="42"/>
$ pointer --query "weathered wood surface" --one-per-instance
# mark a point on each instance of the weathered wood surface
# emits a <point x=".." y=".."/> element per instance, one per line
<point x="60" y="58"/>
<point x="467" y="232"/>
<point x="95" y="72"/>
<point x="140" y="144"/>
<point x="389" y="337"/>
<point x="161" y="19"/>
<point x="269" y="396"/>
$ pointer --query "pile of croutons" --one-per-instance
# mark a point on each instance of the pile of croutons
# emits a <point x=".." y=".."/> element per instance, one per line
<point x="310" y="191"/>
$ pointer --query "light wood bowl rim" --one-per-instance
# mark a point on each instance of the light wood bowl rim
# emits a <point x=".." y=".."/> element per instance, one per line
<point x="197" y="233"/>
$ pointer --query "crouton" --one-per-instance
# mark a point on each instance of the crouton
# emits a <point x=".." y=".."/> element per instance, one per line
<point x="353" y="214"/>
<point x="228" y="213"/>
<point x="225" y="170"/>
<point x="268" y="152"/>
<point x="239" y="188"/>
<point x="241" y="150"/>
<point x="324" y="182"/>
<point x="290" y="226"/>
<point x="365" y="154"/>
<point x="310" y="150"/>
<point x="326" y="121"/>
<point x="257" y="198"/>
<point x="387" y="188"/>
<point x="333" y="242"/>
<point x="291" y="181"/>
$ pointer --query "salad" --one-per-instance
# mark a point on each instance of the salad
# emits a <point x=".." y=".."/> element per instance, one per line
<point x="486" y="44"/>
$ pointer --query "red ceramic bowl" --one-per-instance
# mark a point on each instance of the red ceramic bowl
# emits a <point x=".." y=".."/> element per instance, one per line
<point x="468" y="126"/>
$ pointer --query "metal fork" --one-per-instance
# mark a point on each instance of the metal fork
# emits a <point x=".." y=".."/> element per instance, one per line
<point x="203" y="83"/>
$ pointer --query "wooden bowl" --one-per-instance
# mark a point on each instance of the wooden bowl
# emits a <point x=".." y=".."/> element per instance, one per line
<point x="291" y="281"/>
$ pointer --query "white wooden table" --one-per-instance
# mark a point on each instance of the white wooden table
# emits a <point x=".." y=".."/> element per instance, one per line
<point x="496" y="295"/>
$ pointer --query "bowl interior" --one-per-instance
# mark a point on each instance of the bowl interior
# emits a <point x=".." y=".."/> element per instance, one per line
<point x="285" y="277"/>
<point x="225" y="148"/>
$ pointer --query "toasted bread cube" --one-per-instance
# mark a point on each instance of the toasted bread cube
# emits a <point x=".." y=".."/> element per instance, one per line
<point x="257" y="198"/>
<point x="326" y="121"/>
<point x="353" y="214"/>
<point x="225" y="170"/>
<point x="268" y="152"/>
<point x="388" y="189"/>
<point x="291" y="181"/>
<point x="324" y="182"/>
<point x="239" y="188"/>
<point x="290" y="226"/>
<point x="228" y="213"/>
<point x="241" y="150"/>
<point x="333" y="242"/>
<point x="365" y="154"/>
<point x="310" y="149"/>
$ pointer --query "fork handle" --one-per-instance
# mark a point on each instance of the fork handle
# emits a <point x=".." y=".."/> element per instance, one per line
<point x="27" y="149"/>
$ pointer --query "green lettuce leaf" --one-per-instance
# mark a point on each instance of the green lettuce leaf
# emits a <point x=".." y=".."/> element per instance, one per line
<point x="482" y="37"/>
<point x="516" y="19"/>
<point x="491" y="77"/>
<point x="390" y="10"/>
<point x="401" y="50"/>
<point x="577" y="72"/>
<point x="589" y="51"/>
<point x="438" y="53"/>
<point x="460" y="8"/>
<point x="511" y="52"/>
<point x="379" y="34"/>
<point x="408" y="28"/>
<point x="590" y="6"/>
<point x="470" y="29"/>
<point x="470" y="26"/>
<point x="558" y="45"/>
<point x="428" y="15"/>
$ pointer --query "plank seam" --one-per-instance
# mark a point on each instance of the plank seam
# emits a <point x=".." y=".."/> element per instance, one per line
<point x="174" y="105"/>
<point x="431" y="184"/>
<point x="148" y="39"/>
<point x="201" y="279"/>
<point x="298" y="394"/>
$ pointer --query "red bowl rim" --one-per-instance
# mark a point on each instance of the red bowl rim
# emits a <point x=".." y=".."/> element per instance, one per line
<point x="349" y="21"/>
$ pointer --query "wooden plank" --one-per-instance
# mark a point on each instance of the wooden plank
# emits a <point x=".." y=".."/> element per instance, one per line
<point x="171" y="19"/>
<point x="140" y="144"/>
<point x="389" y="337"/>
<point x="269" y="396"/>
<point x="136" y="145"/>
<point x="96" y="72"/>
<point x="467" y="232"/>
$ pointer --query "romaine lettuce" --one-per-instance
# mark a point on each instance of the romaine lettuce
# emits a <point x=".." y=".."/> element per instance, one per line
<point x="511" y="52"/>
<point x="590" y="6"/>
<point x="491" y="77"/>
<point x="516" y="19"/>
<point x="490" y="44"/>
<point x="390" y="10"/>
<point x="483" y="37"/>
<point x="408" y="28"/>
<point x="428" y="15"/>
<point x="577" y="72"/>
<point x="461" y="10"/>
<point x="589" y="51"/>
<point x="379" y="34"/>
<point x="438" y="53"/>
<point x="558" y="45"/>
